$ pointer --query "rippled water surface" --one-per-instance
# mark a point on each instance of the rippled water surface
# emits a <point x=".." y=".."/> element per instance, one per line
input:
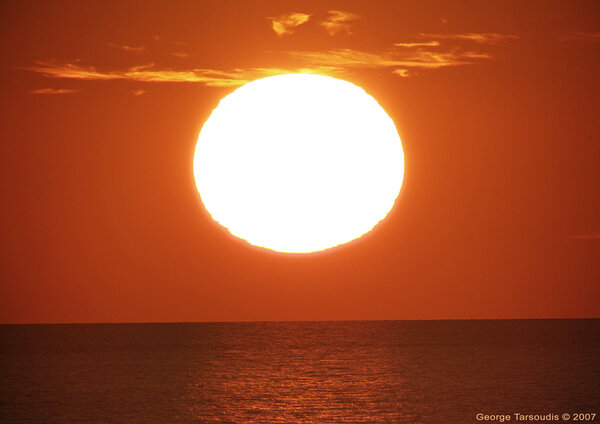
<point x="313" y="372"/>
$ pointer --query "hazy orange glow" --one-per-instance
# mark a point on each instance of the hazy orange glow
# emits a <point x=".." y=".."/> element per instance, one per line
<point x="298" y="163"/>
<point x="496" y="106"/>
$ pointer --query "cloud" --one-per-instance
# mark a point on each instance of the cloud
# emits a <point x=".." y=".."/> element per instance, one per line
<point x="149" y="73"/>
<point x="333" y="62"/>
<point x="181" y="55"/>
<point x="402" y="61"/>
<point x="586" y="37"/>
<point x="339" y="21"/>
<point x="128" y="48"/>
<point x="287" y="23"/>
<point x="402" y="72"/>
<point x="422" y="44"/>
<point x="52" y="91"/>
<point x="348" y="58"/>
<point x="73" y="71"/>
<point x="139" y="92"/>
<point x="591" y="236"/>
<point x="480" y="38"/>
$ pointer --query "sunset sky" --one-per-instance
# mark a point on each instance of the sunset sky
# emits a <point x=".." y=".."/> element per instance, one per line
<point x="496" y="104"/>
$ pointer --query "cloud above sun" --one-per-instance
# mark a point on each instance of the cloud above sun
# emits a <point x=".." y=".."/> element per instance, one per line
<point x="339" y="22"/>
<point x="348" y="58"/>
<point x="480" y="38"/>
<point x="418" y="44"/>
<point x="150" y="73"/>
<point x="331" y="62"/>
<point x="52" y="91"/>
<point x="127" y="48"/>
<point x="405" y="58"/>
<point x="287" y="23"/>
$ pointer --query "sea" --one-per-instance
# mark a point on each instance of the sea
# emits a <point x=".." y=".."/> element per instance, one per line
<point x="432" y="372"/>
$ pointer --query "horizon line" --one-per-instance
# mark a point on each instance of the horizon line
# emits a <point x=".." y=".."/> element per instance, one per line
<point x="293" y="321"/>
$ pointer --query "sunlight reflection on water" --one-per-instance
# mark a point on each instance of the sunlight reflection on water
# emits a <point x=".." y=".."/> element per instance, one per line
<point x="320" y="372"/>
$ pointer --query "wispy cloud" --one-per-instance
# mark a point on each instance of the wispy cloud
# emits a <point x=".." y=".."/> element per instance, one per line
<point x="586" y="37"/>
<point x="52" y="91"/>
<point x="348" y="58"/>
<point x="401" y="72"/>
<point x="477" y="37"/>
<point x="332" y="62"/>
<point x="287" y="23"/>
<point x="132" y="49"/>
<point x="72" y="71"/>
<point x="150" y="73"/>
<point x="591" y="236"/>
<point x="422" y="44"/>
<point x="139" y="92"/>
<point x="339" y="21"/>
<point x="403" y="59"/>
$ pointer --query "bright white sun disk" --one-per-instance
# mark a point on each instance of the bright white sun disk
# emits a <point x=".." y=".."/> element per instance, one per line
<point x="298" y="163"/>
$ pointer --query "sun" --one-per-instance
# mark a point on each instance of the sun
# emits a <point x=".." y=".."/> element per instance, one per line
<point x="298" y="163"/>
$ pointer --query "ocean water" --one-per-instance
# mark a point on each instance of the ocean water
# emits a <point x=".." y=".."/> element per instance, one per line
<point x="300" y="372"/>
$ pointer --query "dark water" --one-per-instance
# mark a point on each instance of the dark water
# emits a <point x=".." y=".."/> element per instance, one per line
<point x="320" y="372"/>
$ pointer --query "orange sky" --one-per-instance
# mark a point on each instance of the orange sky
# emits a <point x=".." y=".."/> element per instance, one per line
<point x="496" y="104"/>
